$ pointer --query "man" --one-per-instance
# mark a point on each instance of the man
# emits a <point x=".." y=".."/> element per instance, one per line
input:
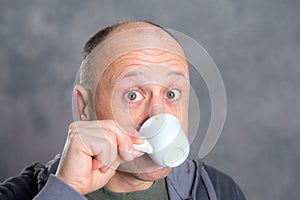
<point x="130" y="72"/>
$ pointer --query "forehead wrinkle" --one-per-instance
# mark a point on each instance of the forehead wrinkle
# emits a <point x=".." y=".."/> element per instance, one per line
<point x="139" y="58"/>
<point x="155" y="56"/>
<point x="131" y="39"/>
<point x="145" y="57"/>
<point x="148" y="57"/>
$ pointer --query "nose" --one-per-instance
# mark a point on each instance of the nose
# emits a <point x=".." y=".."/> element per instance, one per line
<point x="155" y="105"/>
<point x="155" y="110"/>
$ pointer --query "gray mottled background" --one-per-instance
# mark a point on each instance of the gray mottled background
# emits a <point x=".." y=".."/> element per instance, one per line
<point x="255" y="44"/>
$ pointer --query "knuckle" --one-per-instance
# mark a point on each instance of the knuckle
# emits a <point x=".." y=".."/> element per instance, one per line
<point x="71" y="135"/>
<point x="73" y="126"/>
<point x="110" y="122"/>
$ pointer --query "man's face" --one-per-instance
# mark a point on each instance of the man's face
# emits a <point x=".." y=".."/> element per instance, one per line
<point x="138" y="85"/>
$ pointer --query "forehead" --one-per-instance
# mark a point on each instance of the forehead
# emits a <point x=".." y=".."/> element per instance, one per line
<point x="150" y="64"/>
<point x="133" y="40"/>
<point x="136" y="47"/>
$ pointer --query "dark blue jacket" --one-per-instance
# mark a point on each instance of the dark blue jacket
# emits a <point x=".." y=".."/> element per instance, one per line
<point x="191" y="180"/>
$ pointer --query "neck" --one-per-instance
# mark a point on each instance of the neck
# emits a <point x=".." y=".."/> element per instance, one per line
<point x="125" y="182"/>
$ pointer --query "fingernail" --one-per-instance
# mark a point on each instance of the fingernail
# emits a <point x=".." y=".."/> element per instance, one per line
<point x="130" y="155"/>
<point x="103" y="169"/>
<point x="137" y="140"/>
<point x="138" y="153"/>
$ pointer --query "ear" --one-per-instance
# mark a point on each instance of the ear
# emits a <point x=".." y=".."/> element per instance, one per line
<point x="83" y="102"/>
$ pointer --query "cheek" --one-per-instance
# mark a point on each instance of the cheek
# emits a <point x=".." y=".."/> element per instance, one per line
<point x="137" y="114"/>
<point x="103" y="104"/>
<point x="176" y="108"/>
<point x="180" y="111"/>
<point x="103" y="107"/>
<point x="128" y="115"/>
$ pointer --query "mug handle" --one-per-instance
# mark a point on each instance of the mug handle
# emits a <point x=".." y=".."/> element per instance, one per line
<point x="145" y="147"/>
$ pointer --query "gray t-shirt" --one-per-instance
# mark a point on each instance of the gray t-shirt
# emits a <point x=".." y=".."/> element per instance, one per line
<point x="157" y="191"/>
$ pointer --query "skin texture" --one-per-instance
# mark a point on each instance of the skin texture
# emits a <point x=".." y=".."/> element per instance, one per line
<point x="152" y="101"/>
<point x="102" y="149"/>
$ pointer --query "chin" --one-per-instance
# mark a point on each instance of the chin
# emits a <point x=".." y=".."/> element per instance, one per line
<point x="153" y="175"/>
<point x="143" y="168"/>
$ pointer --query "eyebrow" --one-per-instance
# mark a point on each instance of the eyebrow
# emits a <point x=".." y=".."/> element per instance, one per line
<point x="130" y="74"/>
<point x="138" y="73"/>
<point x="175" y="73"/>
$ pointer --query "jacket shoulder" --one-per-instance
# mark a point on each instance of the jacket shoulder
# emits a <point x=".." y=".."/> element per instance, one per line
<point x="29" y="182"/>
<point x="22" y="186"/>
<point x="225" y="187"/>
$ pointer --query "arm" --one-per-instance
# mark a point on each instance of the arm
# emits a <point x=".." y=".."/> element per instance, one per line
<point x="92" y="153"/>
<point x="55" y="188"/>
<point x="90" y="172"/>
<point x="23" y="186"/>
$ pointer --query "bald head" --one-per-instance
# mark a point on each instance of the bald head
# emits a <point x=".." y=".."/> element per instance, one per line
<point x="115" y="41"/>
<point x="101" y="35"/>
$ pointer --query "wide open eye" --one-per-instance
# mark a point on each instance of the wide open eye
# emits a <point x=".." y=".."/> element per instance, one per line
<point x="133" y="96"/>
<point x="172" y="94"/>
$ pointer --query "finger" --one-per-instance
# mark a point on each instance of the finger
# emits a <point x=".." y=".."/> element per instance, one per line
<point x="104" y="169"/>
<point x="123" y="139"/>
<point x="126" y="137"/>
<point x="105" y="153"/>
<point x="135" y="136"/>
<point x="125" y="147"/>
<point x="113" y="126"/>
<point x="137" y="153"/>
<point x="96" y="164"/>
<point x="115" y="141"/>
<point x="137" y="139"/>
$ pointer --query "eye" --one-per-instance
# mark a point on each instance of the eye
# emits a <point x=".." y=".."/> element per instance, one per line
<point x="133" y="96"/>
<point x="172" y="94"/>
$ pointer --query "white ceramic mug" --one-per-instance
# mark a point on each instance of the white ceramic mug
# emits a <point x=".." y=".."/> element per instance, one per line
<point x="165" y="140"/>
